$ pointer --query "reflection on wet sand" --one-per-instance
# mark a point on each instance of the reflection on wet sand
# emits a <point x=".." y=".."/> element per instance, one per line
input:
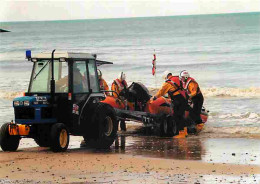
<point x="212" y="150"/>
<point x="225" y="150"/>
<point x="184" y="149"/>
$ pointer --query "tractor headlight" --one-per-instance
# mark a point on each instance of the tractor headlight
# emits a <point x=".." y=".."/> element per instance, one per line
<point x="16" y="103"/>
<point x="26" y="103"/>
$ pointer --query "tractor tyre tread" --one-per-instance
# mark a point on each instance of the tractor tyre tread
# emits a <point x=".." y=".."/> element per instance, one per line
<point x="8" y="142"/>
<point x="55" y="137"/>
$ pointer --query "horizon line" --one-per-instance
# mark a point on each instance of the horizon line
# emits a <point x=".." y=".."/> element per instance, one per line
<point x="13" y="21"/>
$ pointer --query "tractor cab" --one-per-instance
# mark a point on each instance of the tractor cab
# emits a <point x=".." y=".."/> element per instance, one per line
<point x="63" y="89"/>
<point x="57" y="93"/>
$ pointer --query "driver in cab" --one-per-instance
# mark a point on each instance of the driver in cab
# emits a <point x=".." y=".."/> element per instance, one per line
<point x="62" y="84"/>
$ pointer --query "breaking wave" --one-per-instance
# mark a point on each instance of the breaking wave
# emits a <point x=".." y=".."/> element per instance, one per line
<point x="10" y="95"/>
<point x="232" y="130"/>
<point x="226" y="92"/>
<point x="246" y="115"/>
<point x="207" y="92"/>
<point x="231" y="92"/>
<point x="248" y="119"/>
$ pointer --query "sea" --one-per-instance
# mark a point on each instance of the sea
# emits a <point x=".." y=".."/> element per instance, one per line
<point x="222" y="52"/>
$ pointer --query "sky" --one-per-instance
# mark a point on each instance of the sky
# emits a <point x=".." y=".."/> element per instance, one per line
<point x="36" y="10"/>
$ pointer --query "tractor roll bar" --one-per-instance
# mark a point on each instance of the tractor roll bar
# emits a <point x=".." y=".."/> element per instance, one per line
<point x="52" y="78"/>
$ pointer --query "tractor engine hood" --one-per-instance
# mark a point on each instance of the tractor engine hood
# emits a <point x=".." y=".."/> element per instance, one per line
<point x="26" y="101"/>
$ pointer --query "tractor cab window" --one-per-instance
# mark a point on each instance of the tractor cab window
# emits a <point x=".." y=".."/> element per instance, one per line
<point x="40" y="80"/>
<point x="61" y="77"/>
<point x="80" y="77"/>
<point x="93" y="76"/>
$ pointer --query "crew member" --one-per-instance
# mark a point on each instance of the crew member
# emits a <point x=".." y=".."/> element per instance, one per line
<point x="102" y="83"/>
<point x="119" y="85"/>
<point x="193" y="91"/>
<point x="172" y="87"/>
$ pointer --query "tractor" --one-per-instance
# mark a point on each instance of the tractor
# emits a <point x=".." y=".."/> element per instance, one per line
<point x="63" y="99"/>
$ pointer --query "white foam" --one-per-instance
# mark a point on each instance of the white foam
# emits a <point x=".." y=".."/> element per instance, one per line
<point x="232" y="130"/>
<point x="246" y="115"/>
<point x="231" y="92"/>
<point x="207" y="92"/>
<point x="226" y="92"/>
<point x="10" y="94"/>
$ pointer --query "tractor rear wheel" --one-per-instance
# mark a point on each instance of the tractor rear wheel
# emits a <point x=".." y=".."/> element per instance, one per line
<point x="59" y="137"/>
<point x="8" y="142"/>
<point x="104" y="128"/>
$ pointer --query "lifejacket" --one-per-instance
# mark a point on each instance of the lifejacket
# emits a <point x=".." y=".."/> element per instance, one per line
<point x="121" y="85"/>
<point x="174" y="81"/>
<point x="186" y="84"/>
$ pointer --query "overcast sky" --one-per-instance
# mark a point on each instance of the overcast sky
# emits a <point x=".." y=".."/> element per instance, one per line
<point x="93" y="9"/>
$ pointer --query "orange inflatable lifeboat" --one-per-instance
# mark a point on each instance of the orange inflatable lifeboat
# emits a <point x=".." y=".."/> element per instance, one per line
<point x="135" y="103"/>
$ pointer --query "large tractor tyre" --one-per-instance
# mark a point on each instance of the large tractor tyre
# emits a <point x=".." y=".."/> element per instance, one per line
<point x="164" y="127"/>
<point x="59" y="137"/>
<point x="104" y="127"/>
<point x="8" y="142"/>
<point x="173" y="128"/>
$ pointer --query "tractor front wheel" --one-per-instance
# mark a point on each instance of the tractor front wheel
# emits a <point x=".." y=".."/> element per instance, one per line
<point x="8" y="142"/>
<point x="59" y="137"/>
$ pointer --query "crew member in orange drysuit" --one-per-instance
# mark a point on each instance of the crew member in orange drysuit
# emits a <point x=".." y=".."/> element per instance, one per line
<point x="102" y="83"/>
<point x="172" y="87"/>
<point x="193" y="91"/>
<point x="119" y="85"/>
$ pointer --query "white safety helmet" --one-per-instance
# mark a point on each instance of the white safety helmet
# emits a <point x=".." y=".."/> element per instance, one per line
<point x="165" y="74"/>
<point x="121" y="76"/>
<point x="184" y="75"/>
<point x="99" y="73"/>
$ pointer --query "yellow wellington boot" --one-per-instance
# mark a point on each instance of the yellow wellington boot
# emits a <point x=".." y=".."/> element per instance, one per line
<point x="199" y="127"/>
<point x="186" y="131"/>
<point x="181" y="135"/>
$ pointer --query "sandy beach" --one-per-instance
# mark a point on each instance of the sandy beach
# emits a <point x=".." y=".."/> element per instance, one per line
<point x="136" y="158"/>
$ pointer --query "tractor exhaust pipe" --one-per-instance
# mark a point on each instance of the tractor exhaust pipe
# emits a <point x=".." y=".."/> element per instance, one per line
<point x="52" y="78"/>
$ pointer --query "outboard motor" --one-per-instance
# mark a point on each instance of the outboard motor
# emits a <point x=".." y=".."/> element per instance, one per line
<point x="137" y="92"/>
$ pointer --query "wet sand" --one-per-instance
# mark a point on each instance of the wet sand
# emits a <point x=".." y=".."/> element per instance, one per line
<point x="136" y="158"/>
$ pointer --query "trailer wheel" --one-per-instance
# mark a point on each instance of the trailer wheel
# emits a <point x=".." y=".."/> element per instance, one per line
<point x="164" y="128"/>
<point x="104" y="127"/>
<point x="8" y="142"/>
<point x="59" y="137"/>
<point x="173" y="129"/>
